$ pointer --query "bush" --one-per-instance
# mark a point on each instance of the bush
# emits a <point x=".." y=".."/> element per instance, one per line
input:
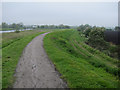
<point x="96" y="39"/>
<point x="17" y="31"/>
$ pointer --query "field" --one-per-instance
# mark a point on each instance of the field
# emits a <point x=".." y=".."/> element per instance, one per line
<point x="80" y="65"/>
<point x="12" y="48"/>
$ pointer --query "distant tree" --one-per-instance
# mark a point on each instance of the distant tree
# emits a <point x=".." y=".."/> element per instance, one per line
<point x="5" y="25"/>
<point x="84" y="27"/>
<point x="117" y="28"/>
<point x="38" y="26"/>
<point x="108" y="29"/>
<point x="13" y="25"/>
<point x="17" y="26"/>
<point x="52" y="27"/>
<point x="20" y="25"/>
<point x="61" y="26"/>
<point x="80" y="28"/>
<point x="42" y="26"/>
<point x="66" y="27"/>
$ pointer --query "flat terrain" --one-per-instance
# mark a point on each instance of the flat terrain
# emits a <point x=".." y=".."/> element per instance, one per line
<point x="35" y="70"/>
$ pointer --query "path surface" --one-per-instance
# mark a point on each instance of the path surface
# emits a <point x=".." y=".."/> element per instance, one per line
<point x="35" y="70"/>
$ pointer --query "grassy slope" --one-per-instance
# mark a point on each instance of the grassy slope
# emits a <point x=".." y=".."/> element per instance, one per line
<point x="13" y="45"/>
<point x="80" y="65"/>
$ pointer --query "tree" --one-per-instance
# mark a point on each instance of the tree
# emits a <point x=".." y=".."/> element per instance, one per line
<point x="96" y="38"/>
<point x="13" y="25"/>
<point x="117" y="28"/>
<point x="42" y="26"/>
<point x="87" y="31"/>
<point x="61" y="26"/>
<point x="83" y="27"/>
<point x="66" y="27"/>
<point x="20" y="25"/>
<point x="38" y="26"/>
<point x="5" y="25"/>
<point x="52" y="27"/>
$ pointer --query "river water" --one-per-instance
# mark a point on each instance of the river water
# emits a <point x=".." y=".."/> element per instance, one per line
<point x="13" y="30"/>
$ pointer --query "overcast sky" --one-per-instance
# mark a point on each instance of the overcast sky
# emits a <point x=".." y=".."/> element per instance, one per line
<point x="70" y="13"/>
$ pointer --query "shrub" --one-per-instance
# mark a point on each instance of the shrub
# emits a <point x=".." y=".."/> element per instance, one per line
<point x="96" y="39"/>
<point x="17" y="31"/>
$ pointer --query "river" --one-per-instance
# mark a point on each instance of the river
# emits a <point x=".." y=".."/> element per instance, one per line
<point x="13" y="30"/>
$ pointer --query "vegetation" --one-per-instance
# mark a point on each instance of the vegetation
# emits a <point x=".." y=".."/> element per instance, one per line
<point x="96" y="39"/>
<point x="117" y="28"/>
<point x="81" y="66"/>
<point x="13" y="26"/>
<point x="19" y="26"/>
<point x="81" y="56"/>
<point x="61" y="26"/>
<point x="12" y="48"/>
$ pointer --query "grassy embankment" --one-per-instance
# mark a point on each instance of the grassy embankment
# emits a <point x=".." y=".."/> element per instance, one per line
<point x="12" y="47"/>
<point x="80" y="65"/>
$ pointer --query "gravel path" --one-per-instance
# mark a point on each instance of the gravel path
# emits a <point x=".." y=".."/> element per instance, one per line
<point x="35" y="70"/>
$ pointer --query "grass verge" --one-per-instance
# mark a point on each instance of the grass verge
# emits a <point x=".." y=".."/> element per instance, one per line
<point x="11" y="53"/>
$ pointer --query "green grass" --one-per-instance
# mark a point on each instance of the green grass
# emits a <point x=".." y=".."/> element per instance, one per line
<point x="13" y="45"/>
<point x="8" y="38"/>
<point x="80" y="65"/>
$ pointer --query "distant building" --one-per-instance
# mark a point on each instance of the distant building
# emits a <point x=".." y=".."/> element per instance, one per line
<point x="112" y="36"/>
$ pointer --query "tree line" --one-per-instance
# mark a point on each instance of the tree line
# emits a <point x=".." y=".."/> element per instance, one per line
<point x="17" y="26"/>
<point x="61" y="26"/>
<point x="96" y="39"/>
<point x="14" y="26"/>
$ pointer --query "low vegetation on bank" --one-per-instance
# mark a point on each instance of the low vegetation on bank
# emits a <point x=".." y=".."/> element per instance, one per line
<point x="80" y="65"/>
